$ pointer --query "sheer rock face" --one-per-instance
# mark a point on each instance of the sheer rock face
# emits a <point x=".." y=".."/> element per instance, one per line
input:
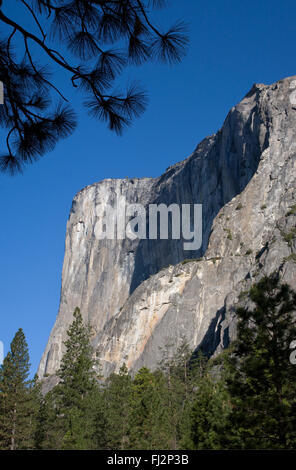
<point x="140" y="296"/>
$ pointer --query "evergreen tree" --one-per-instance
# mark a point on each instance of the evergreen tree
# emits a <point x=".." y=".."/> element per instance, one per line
<point x="118" y="409"/>
<point x="182" y="371"/>
<point x="18" y="402"/>
<point x="78" y="382"/>
<point x="245" y="398"/>
<point x="92" y="41"/>
<point x="98" y="417"/>
<point x="209" y="413"/>
<point x="150" y="419"/>
<point x="261" y="380"/>
<point x="43" y="426"/>
<point x="49" y="429"/>
<point x="196" y="369"/>
<point x="174" y="391"/>
<point x="34" y="402"/>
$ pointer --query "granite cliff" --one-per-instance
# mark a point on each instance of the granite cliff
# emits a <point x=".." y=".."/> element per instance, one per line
<point x="140" y="295"/>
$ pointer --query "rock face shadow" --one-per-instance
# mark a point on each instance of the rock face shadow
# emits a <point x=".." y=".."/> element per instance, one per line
<point x="219" y="169"/>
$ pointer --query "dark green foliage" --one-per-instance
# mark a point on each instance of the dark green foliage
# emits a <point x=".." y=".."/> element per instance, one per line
<point x="118" y="410"/>
<point x="209" y="414"/>
<point x="66" y="416"/>
<point x="150" y="418"/>
<point x="261" y="380"/>
<point x="45" y="428"/>
<point x="244" y="398"/>
<point x="18" y="397"/>
<point x="181" y="373"/>
<point x="77" y="371"/>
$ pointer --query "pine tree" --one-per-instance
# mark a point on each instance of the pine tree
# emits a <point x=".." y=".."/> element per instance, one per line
<point x="118" y="409"/>
<point x="78" y="381"/>
<point x="98" y="417"/>
<point x="182" y="370"/>
<point x="261" y="380"/>
<point x="150" y="419"/>
<point x="49" y="430"/>
<point x="92" y="41"/>
<point x="42" y="427"/>
<point x="194" y="374"/>
<point x="34" y="402"/>
<point x="209" y="413"/>
<point x="18" y="400"/>
<point x="174" y="391"/>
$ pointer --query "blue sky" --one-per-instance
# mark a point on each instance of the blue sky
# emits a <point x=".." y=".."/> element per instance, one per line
<point x="232" y="45"/>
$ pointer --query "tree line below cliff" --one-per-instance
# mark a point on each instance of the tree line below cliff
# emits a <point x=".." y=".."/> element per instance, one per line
<point x="243" y="399"/>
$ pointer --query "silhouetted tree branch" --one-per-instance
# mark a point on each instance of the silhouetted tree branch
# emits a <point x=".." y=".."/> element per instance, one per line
<point x="85" y="28"/>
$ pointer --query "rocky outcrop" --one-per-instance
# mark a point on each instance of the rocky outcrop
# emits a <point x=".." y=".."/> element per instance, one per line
<point x="140" y="295"/>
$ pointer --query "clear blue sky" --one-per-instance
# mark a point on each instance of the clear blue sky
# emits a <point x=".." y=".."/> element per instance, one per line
<point x="233" y="45"/>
